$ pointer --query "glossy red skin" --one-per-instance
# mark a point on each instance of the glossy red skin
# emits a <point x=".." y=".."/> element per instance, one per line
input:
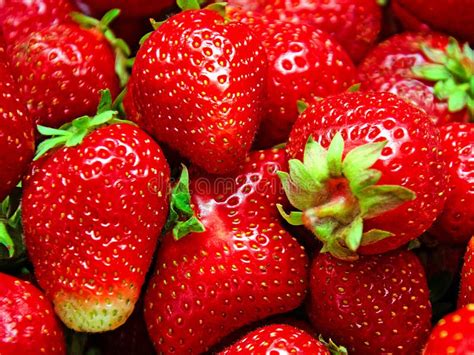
<point x="278" y="339"/>
<point x="388" y="67"/>
<point x="92" y="214"/>
<point x="27" y="322"/>
<point x="201" y="98"/>
<point x="243" y="268"/>
<point x="20" y="18"/>
<point x="376" y="305"/>
<point x="412" y="157"/>
<point x="303" y="64"/>
<point x="254" y="5"/>
<point x="466" y="293"/>
<point x="444" y="15"/>
<point x="61" y="70"/>
<point x="407" y="19"/>
<point x="17" y="142"/>
<point x="454" y="334"/>
<point x="355" y="24"/>
<point x="456" y="224"/>
<point x="130" y="8"/>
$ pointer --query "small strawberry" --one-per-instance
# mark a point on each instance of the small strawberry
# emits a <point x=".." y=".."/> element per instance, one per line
<point x="130" y="8"/>
<point x="454" y="334"/>
<point x="92" y="211"/>
<point x="199" y="84"/>
<point x="430" y="70"/>
<point x="354" y="196"/>
<point x="456" y="224"/>
<point x="281" y="338"/>
<point x="466" y="294"/>
<point x="376" y="305"/>
<point x="303" y="64"/>
<point x="27" y="323"/>
<point x="242" y="268"/>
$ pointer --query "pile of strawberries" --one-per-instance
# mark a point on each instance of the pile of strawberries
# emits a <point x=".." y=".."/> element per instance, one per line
<point x="262" y="177"/>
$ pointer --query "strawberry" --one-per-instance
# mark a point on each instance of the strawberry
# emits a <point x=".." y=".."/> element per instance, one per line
<point x="80" y="61"/>
<point x="92" y="211"/>
<point x="199" y="88"/>
<point x="254" y="5"/>
<point x="454" y="334"/>
<point x="383" y="166"/>
<point x="278" y="339"/>
<point x="355" y="24"/>
<point x="378" y="304"/>
<point x="430" y="70"/>
<point x="456" y="224"/>
<point x="130" y="8"/>
<point x="466" y="294"/>
<point x="303" y="64"/>
<point x="237" y="264"/>
<point x="28" y="324"/>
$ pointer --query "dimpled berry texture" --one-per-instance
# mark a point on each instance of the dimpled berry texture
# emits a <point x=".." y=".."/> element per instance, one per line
<point x="92" y="215"/>
<point x="412" y="157"/>
<point x="28" y="324"/>
<point x="16" y="131"/>
<point x="466" y="294"/>
<point x="61" y="70"/>
<point x="277" y="339"/>
<point x="130" y="8"/>
<point x="388" y="67"/>
<point x="377" y="305"/>
<point x="243" y="268"/>
<point x="200" y="86"/>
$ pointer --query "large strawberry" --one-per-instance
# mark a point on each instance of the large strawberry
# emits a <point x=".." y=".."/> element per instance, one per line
<point x="303" y="64"/>
<point x="242" y="268"/>
<point x="199" y="86"/>
<point x="454" y="334"/>
<point x="130" y="8"/>
<point x="355" y="24"/>
<point x="92" y="212"/>
<point x="456" y="224"/>
<point x="466" y="294"/>
<point x="27" y="323"/>
<point x="62" y="68"/>
<point x="428" y="69"/>
<point x="358" y="197"/>
<point x="376" y="305"/>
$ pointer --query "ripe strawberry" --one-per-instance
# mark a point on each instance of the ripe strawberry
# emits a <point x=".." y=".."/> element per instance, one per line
<point x="92" y="212"/>
<point x="254" y="5"/>
<point x="27" y="324"/>
<point x="303" y="64"/>
<point x="130" y="8"/>
<point x="278" y="339"/>
<point x="355" y="24"/>
<point x="454" y="334"/>
<point x="456" y="224"/>
<point x="466" y="294"/>
<point x="244" y="266"/>
<point x="199" y="88"/>
<point x="351" y="207"/>
<point x="376" y="305"/>
<point x="429" y="70"/>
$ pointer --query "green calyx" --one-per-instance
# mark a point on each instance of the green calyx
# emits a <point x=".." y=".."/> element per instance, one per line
<point x="334" y="195"/>
<point x="332" y="347"/>
<point x="10" y="220"/>
<point x="122" y="50"/>
<point x="73" y="133"/>
<point x="182" y="219"/>
<point x="453" y="72"/>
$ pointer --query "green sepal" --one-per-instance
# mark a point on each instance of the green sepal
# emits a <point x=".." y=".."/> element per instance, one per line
<point x="361" y="158"/>
<point x="457" y="101"/>
<point x="185" y="5"/>
<point x="144" y="38"/>
<point x="354" y="88"/>
<point x="219" y="7"/>
<point x="315" y="159"/>
<point x="301" y="106"/>
<point x="332" y="347"/>
<point x="374" y="236"/>
<point x="6" y="240"/>
<point x="414" y="244"/>
<point x="11" y="230"/>
<point x="352" y="234"/>
<point x="156" y="24"/>
<point x="364" y="179"/>
<point x="378" y="199"/>
<point x="334" y="156"/>
<point x="433" y="72"/>
<point x="382" y="3"/>
<point x="297" y="195"/>
<point x="294" y="218"/>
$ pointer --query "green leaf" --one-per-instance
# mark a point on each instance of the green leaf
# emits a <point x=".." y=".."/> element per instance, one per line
<point x="76" y="138"/>
<point x="456" y="68"/>
<point x="315" y="160"/>
<point x="6" y="240"/>
<point x="468" y="52"/>
<point x="48" y="145"/>
<point x="192" y="225"/>
<point x="435" y="55"/>
<point x="294" y="218"/>
<point x="101" y="119"/>
<point x="453" y="49"/>
<point x="433" y="72"/>
<point x="299" y="198"/>
<point x="361" y="158"/>
<point x="144" y="38"/>
<point x="219" y="7"/>
<point x="457" y="101"/>
<point x="354" y="88"/>
<point x="374" y="236"/>
<point x="378" y="199"/>
<point x="301" y="177"/>
<point x="105" y="103"/>
<point x="185" y="5"/>
<point x="301" y="106"/>
<point x="331" y="346"/>
<point x="84" y="20"/>
<point x="109" y="17"/>
<point x="353" y="233"/>
<point x="48" y="131"/>
<point x="334" y="156"/>
<point x="364" y="179"/>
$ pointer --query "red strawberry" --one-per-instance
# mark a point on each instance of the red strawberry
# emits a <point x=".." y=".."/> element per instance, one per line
<point x="19" y="18"/>
<point x="62" y="68"/>
<point x="423" y="69"/>
<point x="199" y="87"/>
<point x="244" y="266"/>
<point x="456" y="223"/>
<point x="466" y="294"/>
<point x="27" y="322"/>
<point x="254" y="5"/>
<point x="376" y="305"/>
<point x="454" y="334"/>
<point x="303" y="64"/>
<point x="355" y="24"/>
<point x="92" y="212"/>
<point x="442" y="15"/>
<point x="130" y="8"/>
<point x="278" y="339"/>
<point x="351" y="207"/>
